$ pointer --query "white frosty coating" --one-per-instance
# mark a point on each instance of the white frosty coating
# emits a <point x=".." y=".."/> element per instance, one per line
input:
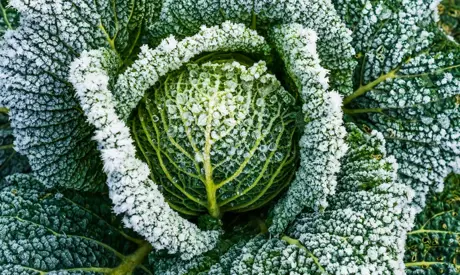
<point x="434" y="8"/>
<point x="132" y="192"/>
<point x="419" y="94"/>
<point x="363" y="231"/>
<point x="48" y="126"/>
<point x="322" y="144"/>
<point x="184" y="17"/>
<point x="42" y="6"/>
<point x="170" y="55"/>
<point x="130" y="189"/>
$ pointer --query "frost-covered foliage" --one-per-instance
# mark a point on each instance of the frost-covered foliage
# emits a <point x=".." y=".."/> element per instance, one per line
<point x="170" y="55"/>
<point x="185" y="17"/>
<point x="321" y="145"/>
<point x="48" y="232"/>
<point x="363" y="229"/>
<point x="135" y="97"/>
<point x="10" y="161"/>
<point x="432" y="247"/>
<point x="408" y="88"/>
<point x="48" y="124"/>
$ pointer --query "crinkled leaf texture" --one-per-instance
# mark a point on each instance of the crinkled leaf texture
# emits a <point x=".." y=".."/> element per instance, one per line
<point x="432" y="247"/>
<point x="408" y="87"/>
<point x="48" y="232"/>
<point x="10" y="161"/>
<point x="361" y="232"/>
<point x="49" y="126"/>
<point x="322" y="143"/>
<point x="128" y="176"/>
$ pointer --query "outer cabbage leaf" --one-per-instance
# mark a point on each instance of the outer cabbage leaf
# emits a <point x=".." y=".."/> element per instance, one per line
<point x="47" y="232"/>
<point x="256" y="255"/>
<point x="322" y="143"/>
<point x="10" y="161"/>
<point x="433" y="245"/>
<point x="48" y="123"/>
<point x="225" y="251"/>
<point x="407" y="87"/>
<point x="364" y="228"/>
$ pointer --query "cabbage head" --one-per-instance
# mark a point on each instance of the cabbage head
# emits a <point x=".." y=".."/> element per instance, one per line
<point x="218" y="136"/>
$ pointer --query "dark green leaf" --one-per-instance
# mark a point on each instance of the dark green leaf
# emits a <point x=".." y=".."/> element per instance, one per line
<point x="48" y="232"/>
<point x="433" y="245"/>
<point x="10" y="161"/>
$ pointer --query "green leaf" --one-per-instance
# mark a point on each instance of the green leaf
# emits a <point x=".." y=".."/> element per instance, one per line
<point x="359" y="232"/>
<point x="49" y="126"/>
<point x="433" y="245"/>
<point x="249" y="169"/>
<point x="240" y="252"/>
<point x="48" y="232"/>
<point x="407" y="87"/>
<point x="10" y="161"/>
<point x="264" y="256"/>
<point x="122" y="22"/>
<point x="241" y="231"/>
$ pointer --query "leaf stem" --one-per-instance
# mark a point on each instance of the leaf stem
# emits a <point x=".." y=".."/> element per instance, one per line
<point x="5" y="17"/>
<point x="254" y="16"/>
<point x="297" y="243"/>
<point x="364" y="89"/>
<point x="127" y="266"/>
<point x="361" y="111"/>
<point x="109" y="39"/>
<point x="211" y="187"/>
<point x="433" y="217"/>
<point x="8" y="146"/>
<point x="427" y="264"/>
<point x="254" y="21"/>
<point x="422" y="231"/>
<point x="131" y="262"/>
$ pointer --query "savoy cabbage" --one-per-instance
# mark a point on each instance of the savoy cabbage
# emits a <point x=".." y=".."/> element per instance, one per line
<point x="229" y="137"/>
